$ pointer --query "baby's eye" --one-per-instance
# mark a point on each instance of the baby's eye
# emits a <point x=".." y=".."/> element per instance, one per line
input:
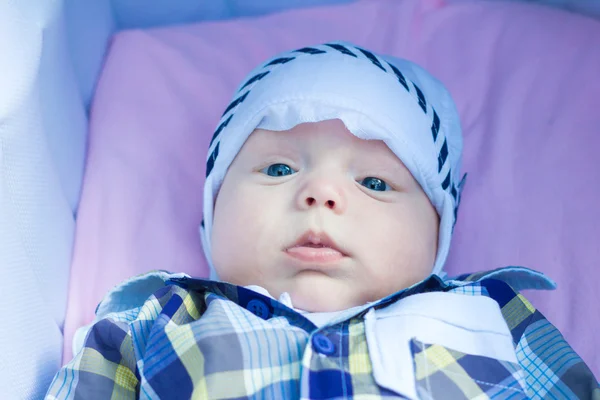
<point x="278" y="170"/>
<point x="375" y="184"/>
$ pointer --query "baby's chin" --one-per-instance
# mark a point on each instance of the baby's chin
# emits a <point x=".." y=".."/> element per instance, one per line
<point x="319" y="293"/>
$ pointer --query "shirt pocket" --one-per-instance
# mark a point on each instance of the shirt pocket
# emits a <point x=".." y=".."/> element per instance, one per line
<point x="470" y="328"/>
<point x="443" y="373"/>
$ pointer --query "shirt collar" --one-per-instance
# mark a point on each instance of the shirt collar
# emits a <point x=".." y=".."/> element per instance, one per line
<point x="518" y="277"/>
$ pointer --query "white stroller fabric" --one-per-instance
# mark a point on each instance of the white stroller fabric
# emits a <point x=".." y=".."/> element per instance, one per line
<point x="40" y="179"/>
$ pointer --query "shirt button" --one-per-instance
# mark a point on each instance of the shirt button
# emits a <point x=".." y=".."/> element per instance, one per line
<point x="258" y="308"/>
<point x="322" y="344"/>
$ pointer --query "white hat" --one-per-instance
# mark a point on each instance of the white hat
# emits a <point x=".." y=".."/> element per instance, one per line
<point x="376" y="97"/>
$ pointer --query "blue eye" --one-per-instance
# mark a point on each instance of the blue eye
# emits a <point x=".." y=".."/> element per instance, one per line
<point x="279" y="170"/>
<point x="375" y="184"/>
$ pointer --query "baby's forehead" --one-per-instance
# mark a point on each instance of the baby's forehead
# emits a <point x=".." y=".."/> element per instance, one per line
<point x="331" y="131"/>
<point x="327" y="137"/>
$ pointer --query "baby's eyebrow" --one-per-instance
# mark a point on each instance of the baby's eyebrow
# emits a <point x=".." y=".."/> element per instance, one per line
<point x="384" y="163"/>
<point x="271" y="149"/>
<point x="375" y="165"/>
<point x="380" y="158"/>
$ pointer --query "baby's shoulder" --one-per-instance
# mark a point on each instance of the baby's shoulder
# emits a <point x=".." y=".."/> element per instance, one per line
<point x="134" y="292"/>
<point x="504" y="285"/>
<point x="511" y="278"/>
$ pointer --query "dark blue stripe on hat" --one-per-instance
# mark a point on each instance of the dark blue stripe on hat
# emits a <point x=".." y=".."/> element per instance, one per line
<point x="443" y="155"/>
<point x="282" y="60"/>
<point x="341" y="49"/>
<point x="310" y="50"/>
<point x="202" y="223"/>
<point x="435" y="127"/>
<point x="255" y="78"/>
<point x="401" y="78"/>
<point x="446" y="182"/>
<point x="461" y="184"/>
<point x="211" y="160"/>
<point x="372" y="57"/>
<point x="219" y="129"/>
<point x="421" y="97"/>
<point x="235" y="103"/>
<point x="454" y="193"/>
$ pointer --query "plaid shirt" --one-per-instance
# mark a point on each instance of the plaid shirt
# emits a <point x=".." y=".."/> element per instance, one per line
<point x="200" y="339"/>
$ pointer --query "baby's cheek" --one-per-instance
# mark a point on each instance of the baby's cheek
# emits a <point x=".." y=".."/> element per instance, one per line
<point x="220" y="256"/>
<point x="239" y="248"/>
<point x="224" y="243"/>
<point x="403" y="249"/>
<point x="228" y="265"/>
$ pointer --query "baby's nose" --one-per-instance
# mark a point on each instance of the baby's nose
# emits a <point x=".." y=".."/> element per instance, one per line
<point x="323" y="193"/>
<point x="328" y="203"/>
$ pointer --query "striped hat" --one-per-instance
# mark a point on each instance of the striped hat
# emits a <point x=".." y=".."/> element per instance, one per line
<point x="376" y="97"/>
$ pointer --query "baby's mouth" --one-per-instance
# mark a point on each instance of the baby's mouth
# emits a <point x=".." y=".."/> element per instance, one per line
<point x="315" y="248"/>
<point x="315" y="253"/>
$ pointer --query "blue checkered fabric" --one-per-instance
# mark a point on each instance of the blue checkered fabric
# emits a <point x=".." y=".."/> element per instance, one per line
<point x="202" y="339"/>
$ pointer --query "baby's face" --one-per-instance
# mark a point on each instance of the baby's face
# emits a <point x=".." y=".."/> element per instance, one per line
<point x="333" y="220"/>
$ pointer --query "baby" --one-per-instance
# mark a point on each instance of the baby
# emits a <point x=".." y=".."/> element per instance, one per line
<point x="333" y="184"/>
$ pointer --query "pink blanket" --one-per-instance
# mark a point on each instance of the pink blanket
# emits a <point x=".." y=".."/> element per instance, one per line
<point x="525" y="80"/>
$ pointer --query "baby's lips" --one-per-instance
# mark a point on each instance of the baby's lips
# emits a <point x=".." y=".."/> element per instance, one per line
<point x="310" y="239"/>
<point x="315" y="254"/>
